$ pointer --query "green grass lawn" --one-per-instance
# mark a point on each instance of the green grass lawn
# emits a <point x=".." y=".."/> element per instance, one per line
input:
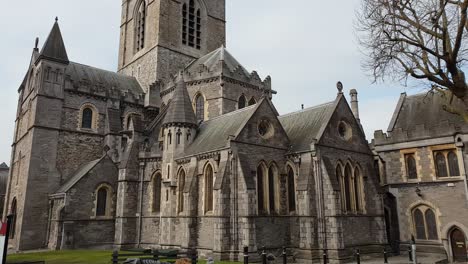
<point x="71" y="257"/>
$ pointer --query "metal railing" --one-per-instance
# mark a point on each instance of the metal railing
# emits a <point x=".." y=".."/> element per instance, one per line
<point x="156" y="255"/>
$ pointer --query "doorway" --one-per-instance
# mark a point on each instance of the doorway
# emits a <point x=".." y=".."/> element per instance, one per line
<point x="458" y="243"/>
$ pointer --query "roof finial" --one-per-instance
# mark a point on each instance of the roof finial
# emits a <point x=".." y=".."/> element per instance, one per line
<point x="36" y="44"/>
<point x="339" y="86"/>
<point x="56" y="19"/>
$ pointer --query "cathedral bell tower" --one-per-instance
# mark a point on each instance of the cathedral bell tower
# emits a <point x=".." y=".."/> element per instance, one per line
<point x="159" y="38"/>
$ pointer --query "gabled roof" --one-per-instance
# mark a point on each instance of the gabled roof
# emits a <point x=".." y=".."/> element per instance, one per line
<point x="214" y="134"/>
<point x="303" y="127"/>
<point x="3" y="166"/>
<point x="180" y="109"/>
<point x="54" y="48"/>
<point x="79" y="174"/>
<point x="212" y="60"/>
<point x="423" y="109"/>
<point x="95" y="76"/>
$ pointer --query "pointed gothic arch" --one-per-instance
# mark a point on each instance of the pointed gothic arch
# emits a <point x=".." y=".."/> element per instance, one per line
<point x="103" y="196"/>
<point x="208" y="187"/>
<point x="199" y="105"/>
<point x="242" y="102"/>
<point x="261" y="192"/>
<point x="348" y="186"/>
<point x="180" y="190"/>
<point x="252" y="101"/>
<point x="291" y="185"/>
<point x="156" y="192"/>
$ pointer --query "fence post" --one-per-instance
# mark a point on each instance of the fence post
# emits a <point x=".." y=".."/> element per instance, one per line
<point x="194" y="256"/>
<point x="115" y="256"/>
<point x="325" y="256"/>
<point x="155" y="255"/>
<point x="385" y="255"/>
<point x="358" y="256"/>
<point x="410" y="254"/>
<point x="264" y="256"/>
<point x="285" y="256"/>
<point x="246" y="255"/>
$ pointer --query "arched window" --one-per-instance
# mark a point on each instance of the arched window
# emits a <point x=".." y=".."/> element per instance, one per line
<point x="157" y="179"/>
<point x="208" y="189"/>
<point x="169" y="138"/>
<point x="140" y="26"/>
<point x="87" y="118"/>
<point x="102" y="200"/>
<point x="340" y="177"/>
<point x="200" y="107"/>
<point x="260" y="190"/>
<point x="357" y="190"/>
<point x="431" y="225"/>
<point x="453" y="164"/>
<point x="13" y="221"/>
<point x="178" y="136"/>
<point x="347" y="188"/>
<point x="180" y="196"/>
<point x="191" y="24"/>
<point x="272" y="188"/>
<point x="242" y="102"/>
<point x="425" y="223"/>
<point x="441" y="165"/>
<point x="291" y="190"/>
<point x="419" y="224"/>
<point x="252" y="101"/>
<point x="189" y="135"/>
<point x="129" y="122"/>
<point x="411" y="170"/>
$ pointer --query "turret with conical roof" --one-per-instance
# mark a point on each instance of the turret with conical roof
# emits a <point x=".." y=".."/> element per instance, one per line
<point x="54" y="47"/>
<point x="180" y="110"/>
<point x="179" y="127"/>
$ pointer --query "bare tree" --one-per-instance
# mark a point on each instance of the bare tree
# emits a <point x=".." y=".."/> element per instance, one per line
<point x="422" y="39"/>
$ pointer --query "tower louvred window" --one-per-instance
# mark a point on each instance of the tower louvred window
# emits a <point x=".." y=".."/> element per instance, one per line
<point x="191" y="24"/>
<point x="141" y="26"/>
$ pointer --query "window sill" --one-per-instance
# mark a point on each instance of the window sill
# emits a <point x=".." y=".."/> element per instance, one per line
<point x="102" y="218"/>
<point x="87" y="130"/>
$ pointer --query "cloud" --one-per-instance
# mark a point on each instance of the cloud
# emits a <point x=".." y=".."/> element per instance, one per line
<point x="306" y="46"/>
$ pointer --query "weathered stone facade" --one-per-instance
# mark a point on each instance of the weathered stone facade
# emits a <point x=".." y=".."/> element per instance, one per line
<point x="184" y="148"/>
<point x="418" y="179"/>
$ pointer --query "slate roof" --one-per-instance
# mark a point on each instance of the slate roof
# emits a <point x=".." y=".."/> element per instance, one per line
<point x="214" y="133"/>
<point x="303" y="127"/>
<point x="4" y="166"/>
<point x="80" y="173"/>
<point x="54" y="48"/>
<point x="79" y="72"/>
<point x="422" y="109"/>
<point x="212" y="61"/>
<point x="180" y="109"/>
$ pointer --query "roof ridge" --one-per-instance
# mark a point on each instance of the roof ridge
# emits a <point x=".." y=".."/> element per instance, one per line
<point x="109" y="71"/>
<point x="231" y="113"/>
<point x="307" y="109"/>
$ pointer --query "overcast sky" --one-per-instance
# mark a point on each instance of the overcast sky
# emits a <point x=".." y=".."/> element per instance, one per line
<point x="305" y="45"/>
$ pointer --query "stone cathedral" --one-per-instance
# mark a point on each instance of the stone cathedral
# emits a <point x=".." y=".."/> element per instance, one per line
<point x="182" y="147"/>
